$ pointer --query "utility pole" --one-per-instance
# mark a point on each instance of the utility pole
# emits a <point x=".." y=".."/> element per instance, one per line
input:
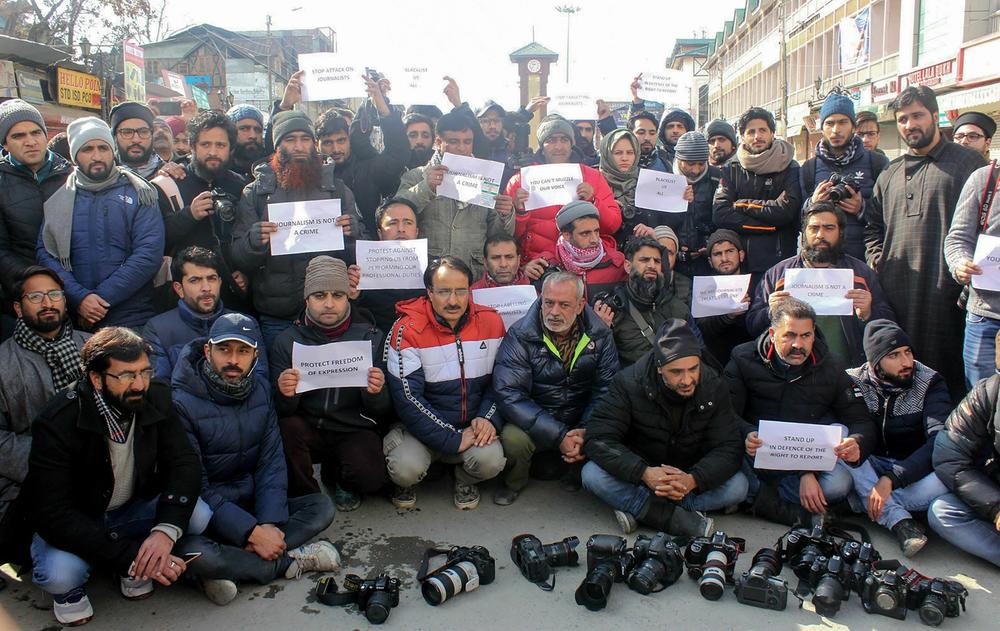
<point x="570" y="11"/>
<point x="270" y="80"/>
<point x="784" y="65"/>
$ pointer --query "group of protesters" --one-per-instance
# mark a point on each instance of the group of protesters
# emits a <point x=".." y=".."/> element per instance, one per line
<point x="153" y="420"/>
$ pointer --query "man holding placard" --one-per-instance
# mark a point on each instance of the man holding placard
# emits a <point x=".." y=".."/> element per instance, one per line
<point x="536" y="229"/>
<point x="723" y="332"/>
<point x="552" y="368"/>
<point x="338" y="427"/>
<point x="823" y="232"/>
<point x="440" y="363"/>
<point x="788" y="374"/>
<point x="450" y="226"/>
<point x="295" y="175"/>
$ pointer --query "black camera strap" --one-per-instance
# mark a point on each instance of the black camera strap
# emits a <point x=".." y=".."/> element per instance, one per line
<point x="425" y="571"/>
<point x="326" y="591"/>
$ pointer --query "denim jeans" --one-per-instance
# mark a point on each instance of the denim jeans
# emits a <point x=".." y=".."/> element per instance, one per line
<point x="309" y="515"/>
<point x="959" y="525"/>
<point x="632" y="499"/>
<point x="271" y="328"/>
<point x="915" y="497"/>
<point x="57" y="571"/>
<point x="836" y="484"/>
<point x="979" y="348"/>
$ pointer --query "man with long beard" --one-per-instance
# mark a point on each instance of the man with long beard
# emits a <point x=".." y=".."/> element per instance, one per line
<point x="132" y="127"/>
<point x="249" y="146"/>
<point x="823" y="247"/>
<point x="295" y="173"/>
<point x="640" y="306"/>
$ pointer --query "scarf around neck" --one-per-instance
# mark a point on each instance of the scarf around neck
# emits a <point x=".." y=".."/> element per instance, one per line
<point x="57" y="211"/>
<point x="113" y="419"/>
<point x="61" y="354"/>
<point x="622" y="183"/>
<point x="853" y="148"/>
<point x="239" y="390"/>
<point x="579" y="260"/>
<point x="774" y="159"/>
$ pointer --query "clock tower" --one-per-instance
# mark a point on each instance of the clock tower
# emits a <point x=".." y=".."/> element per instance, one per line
<point x="533" y="62"/>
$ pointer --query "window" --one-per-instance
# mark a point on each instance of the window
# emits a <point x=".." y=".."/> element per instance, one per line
<point x="939" y="28"/>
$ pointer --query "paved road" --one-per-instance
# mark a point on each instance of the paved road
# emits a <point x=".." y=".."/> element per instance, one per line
<point x="376" y="537"/>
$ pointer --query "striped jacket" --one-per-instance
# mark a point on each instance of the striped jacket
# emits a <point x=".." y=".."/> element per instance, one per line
<point x="441" y="379"/>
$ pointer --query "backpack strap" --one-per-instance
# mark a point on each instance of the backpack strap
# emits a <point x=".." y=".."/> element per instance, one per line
<point x="169" y="187"/>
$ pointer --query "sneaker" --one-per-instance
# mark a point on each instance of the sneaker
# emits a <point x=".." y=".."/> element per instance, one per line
<point x="220" y="591"/>
<point x="505" y="496"/>
<point x="72" y="608"/>
<point x="626" y="521"/>
<point x="136" y="588"/>
<point x="313" y="557"/>
<point x="345" y="500"/>
<point x="466" y="496"/>
<point x="911" y="537"/>
<point x="404" y="497"/>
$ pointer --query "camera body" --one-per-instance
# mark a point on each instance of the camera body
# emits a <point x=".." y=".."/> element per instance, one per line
<point x="657" y="562"/>
<point x="466" y="569"/>
<point x="760" y="586"/>
<point x="711" y="560"/>
<point x="884" y="592"/>
<point x="536" y="560"/>
<point x="224" y="205"/>
<point x="608" y="562"/>
<point x="377" y="596"/>
<point x="934" y="599"/>
<point x="611" y="299"/>
<point x="830" y="579"/>
<point x="843" y="186"/>
<point x="803" y="546"/>
<point x="860" y="557"/>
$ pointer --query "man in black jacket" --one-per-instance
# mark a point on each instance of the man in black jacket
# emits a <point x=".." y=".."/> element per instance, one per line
<point x="723" y="333"/>
<point x="191" y="215"/>
<point x="788" y="374"/>
<point x="341" y="427"/>
<point x="552" y="368"/>
<point x="29" y="174"/>
<point x="965" y="458"/>
<point x="663" y="443"/>
<point x="759" y="196"/>
<point x="112" y="479"/>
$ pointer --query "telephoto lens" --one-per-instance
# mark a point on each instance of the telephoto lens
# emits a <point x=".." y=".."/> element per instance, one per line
<point x="760" y="586"/>
<point x="712" y="560"/>
<point x="454" y="579"/>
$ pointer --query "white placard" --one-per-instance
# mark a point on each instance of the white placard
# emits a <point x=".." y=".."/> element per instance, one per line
<point x="572" y="105"/>
<point x="415" y="83"/>
<point x="823" y="289"/>
<point x="336" y="365"/>
<point x="309" y="226"/>
<point x="550" y="184"/>
<point x="797" y="446"/>
<point x="511" y="302"/>
<point x="670" y="87"/>
<point x="471" y="180"/>
<point x="660" y="191"/>
<point x="329" y="76"/>
<point x="987" y="257"/>
<point x="392" y="264"/>
<point x="719" y="295"/>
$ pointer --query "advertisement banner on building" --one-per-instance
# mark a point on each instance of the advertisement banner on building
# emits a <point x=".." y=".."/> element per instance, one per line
<point x="8" y="81"/>
<point x="175" y="82"/>
<point x="135" y="72"/>
<point x="855" y="40"/>
<point x="29" y="85"/>
<point x="247" y="86"/>
<point x="78" y="89"/>
<point x="885" y="90"/>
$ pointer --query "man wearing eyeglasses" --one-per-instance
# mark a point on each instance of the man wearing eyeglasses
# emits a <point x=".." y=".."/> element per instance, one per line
<point x="440" y="367"/>
<point x="975" y="130"/>
<point x="113" y="481"/>
<point x="41" y="358"/>
<point x="132" y="126"/>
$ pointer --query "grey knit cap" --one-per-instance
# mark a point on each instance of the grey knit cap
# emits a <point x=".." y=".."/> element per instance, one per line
<point x="325" y="273"/>
<point x="83" y="130"/>
<point x="554" y="125"/>
<point x="692" y="147"/>
<point x="17" y="111"/>
<point x="574" y="210"/>
<point x="666" y="232"/>
<point x="719" y="127"/>
<point x="286" y="122"/>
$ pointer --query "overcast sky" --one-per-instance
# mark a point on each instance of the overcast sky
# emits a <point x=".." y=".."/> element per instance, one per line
<point x="471" y="39"/>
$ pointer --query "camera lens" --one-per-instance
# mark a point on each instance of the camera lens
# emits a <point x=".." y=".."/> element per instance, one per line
<point x="378" y="607"/>
<point x="593" y="592"/>
<point x="829" y="593"/>
<point x="562" y="553"/>
<point x="646" y="576"/>
<point x="885" y="598"/>
<point x="713" y="577"/>
<point x="444" y="584"/>
<point x="932" y="610"/>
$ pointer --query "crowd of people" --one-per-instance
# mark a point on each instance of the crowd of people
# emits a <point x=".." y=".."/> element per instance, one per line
<point x="151" y="420"/>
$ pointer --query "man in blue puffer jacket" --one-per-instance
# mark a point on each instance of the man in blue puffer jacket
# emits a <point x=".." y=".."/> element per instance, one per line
<point x="103" y="234"/>
<point x="256" y="532"/>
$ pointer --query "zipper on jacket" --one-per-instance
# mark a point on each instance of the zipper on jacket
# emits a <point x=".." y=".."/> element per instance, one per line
<point x="461" y="368"/>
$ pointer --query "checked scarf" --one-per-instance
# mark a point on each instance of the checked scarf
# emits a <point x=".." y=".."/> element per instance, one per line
<point x="823" y="151"/>
<point x="61" y="354"/>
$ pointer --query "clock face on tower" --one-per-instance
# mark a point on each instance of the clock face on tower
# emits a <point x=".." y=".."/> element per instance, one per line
<point x="534" y="65"/>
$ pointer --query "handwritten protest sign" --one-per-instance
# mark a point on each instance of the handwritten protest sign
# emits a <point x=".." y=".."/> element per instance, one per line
<point x="416" y="83"/>
<point x="661" y="191"/>
<point x="336" y="365"/>
<point x="719" y="295"/>
<point x="824" y="289"/>
<point x="797" y="446"/>
<point x="306" y="227"/>
<point x="670" y="87"/>
<point x="550" y="184"/>
<point x="512" y="302"/>
<point x="572" y="105"/>
<point x="471" y="180"/>
<point x="392" y="264"/>
<point x="987" y="257"/>
<point x="329" y="76"/>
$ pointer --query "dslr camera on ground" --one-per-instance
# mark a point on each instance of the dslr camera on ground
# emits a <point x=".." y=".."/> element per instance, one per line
<point x="608" y="562"/>
<point x="465" y="570"/>
<point x="711" y="560"/>
<point x="537" y="561"/>
<point x="891" y="592"/>
<point x="761" y="586"/>
<point x="658" y="563"/>
<point x="376" y="597"/>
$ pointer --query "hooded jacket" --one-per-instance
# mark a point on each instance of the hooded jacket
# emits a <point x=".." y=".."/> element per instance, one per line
<point x="635" y="426"/>
<point x="442" y="378"/>
<point x="819" y="392"/>
<point x="665" y="150"/>
<point x="243" y="475"/>
<point x="533" y="388"/>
